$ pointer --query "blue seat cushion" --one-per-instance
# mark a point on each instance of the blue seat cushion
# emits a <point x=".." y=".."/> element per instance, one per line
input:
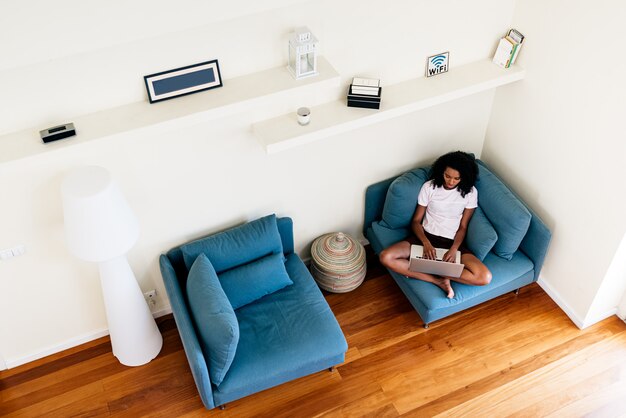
<point x="401" y="199"/>
<point x="236" y="246"/>
<point x="503" y="271"/>
<point x="282" y="335"/>
<point x="507" y="214"/>
<point x="245" y="284"/>
<point x="214" y="317"/>
<point x="481" y="236"/>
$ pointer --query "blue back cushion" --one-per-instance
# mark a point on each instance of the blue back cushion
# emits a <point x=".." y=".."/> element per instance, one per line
<point x="214" y="317"/>
<point x="245" y="284"/>
<point x="237" y="246"/>
<point x="388" y="236"/>
<point x="507" y="214"/>
<point x="481" y="236"/>
<point x="401" y="199"/>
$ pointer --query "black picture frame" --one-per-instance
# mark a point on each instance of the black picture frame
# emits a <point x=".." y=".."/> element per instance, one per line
<point x="183" y="81"/>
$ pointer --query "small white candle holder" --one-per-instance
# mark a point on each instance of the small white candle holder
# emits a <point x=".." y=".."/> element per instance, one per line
<point x="304" y="116"/>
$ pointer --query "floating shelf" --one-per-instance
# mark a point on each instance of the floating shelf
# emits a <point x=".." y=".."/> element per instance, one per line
<point x="283" y="132"/>
<point x="237" y="95"/>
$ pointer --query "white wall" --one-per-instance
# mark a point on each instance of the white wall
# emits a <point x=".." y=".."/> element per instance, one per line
<point x="621" y="309"/>
<point x="612" y="290"/>
<point x="186" y="183"/>
<point x="558" y="138"/>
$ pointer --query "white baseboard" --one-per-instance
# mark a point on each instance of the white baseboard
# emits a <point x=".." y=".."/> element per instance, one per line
<point x="73" y="342"/>
<point x="597" y="318"/>
<point x="162" y="312"/>
<point x="554" y="295"/>
<point x="581" y="323"/>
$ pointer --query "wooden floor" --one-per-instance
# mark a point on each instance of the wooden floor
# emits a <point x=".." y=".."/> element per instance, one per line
<point x="513" y="356"/>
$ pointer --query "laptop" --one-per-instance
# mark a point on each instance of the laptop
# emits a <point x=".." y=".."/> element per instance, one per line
<point x="438" y="267"/>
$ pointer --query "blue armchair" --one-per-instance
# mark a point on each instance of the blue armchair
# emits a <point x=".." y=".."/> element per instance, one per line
<point x="504" y="233"/>
<point x="249" y="314"/>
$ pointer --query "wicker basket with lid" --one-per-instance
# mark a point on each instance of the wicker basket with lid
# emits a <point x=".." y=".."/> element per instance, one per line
<point x="338" y="262"/>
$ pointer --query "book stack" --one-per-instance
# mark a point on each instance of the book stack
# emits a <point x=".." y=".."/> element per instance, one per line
<point x="364" y="92"/>
<point x="508" y="49"/>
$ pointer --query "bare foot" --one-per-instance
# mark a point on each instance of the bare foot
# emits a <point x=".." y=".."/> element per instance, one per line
<point x="445" y="285"/>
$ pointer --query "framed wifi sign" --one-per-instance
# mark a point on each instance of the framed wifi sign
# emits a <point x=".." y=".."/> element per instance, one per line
<point x="437" y="64"/>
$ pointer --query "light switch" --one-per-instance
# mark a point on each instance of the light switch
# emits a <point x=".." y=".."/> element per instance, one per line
<point x="12" y="252"/>
<point x="18" y="250"/>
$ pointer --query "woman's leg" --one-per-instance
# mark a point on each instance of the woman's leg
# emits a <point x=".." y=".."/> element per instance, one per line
<point x="474" y="273"/>
<point x="396" y="258"/>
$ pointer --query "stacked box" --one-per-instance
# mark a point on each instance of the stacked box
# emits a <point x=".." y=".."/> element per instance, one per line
<point x="370" y="101"/>
<point x="364" y="92"/>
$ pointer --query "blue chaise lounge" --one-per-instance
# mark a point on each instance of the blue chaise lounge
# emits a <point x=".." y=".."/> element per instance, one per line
<point x="506" y="234"/>
<point x="249" y="314"/>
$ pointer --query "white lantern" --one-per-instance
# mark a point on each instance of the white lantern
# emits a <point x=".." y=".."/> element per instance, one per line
<point x="303" y="48"/>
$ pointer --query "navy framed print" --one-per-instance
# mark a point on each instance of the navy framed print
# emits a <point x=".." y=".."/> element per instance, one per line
<point x="182" y="81"/>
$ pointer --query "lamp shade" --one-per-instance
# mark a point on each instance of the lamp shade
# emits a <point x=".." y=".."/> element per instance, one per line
<point x="99" y="224"/>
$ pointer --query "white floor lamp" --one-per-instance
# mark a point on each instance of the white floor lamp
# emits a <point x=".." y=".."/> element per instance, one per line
<point x="100" y="227"/>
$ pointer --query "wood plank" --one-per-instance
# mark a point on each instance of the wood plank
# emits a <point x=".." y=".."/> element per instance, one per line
<point x="540" y="384"/>
<point x="86" y="406"/>
<point x="42" y="367"/>
<point x="449" y="369"/>
<point x="281" y="399"/>
<point x="321" y="400"/>
<point x="511" y="356"/>
<point x="462" y="330"/>
<point x="374" y="405"/>
<point x="60" y="390"/>
<point x="43" y="406"/>
<point x="352" y="354"/>
<point x="44" y="381"/>
<point x="135" y="392"/>
<point x="534" y="362"/>
<point x="562" y="400"/>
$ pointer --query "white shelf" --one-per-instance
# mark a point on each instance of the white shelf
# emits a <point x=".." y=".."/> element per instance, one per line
<point x="332" y="118"/>
<point x="237" y="95"/>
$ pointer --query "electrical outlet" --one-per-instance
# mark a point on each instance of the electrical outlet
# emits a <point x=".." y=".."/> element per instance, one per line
<point x="12" y="252"/>
<point x="150" y="296"/>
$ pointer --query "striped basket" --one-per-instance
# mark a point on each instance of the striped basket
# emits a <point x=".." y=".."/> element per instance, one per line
<point x="338" y="262"/>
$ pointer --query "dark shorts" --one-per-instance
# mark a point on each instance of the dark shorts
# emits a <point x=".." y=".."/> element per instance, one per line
<point x="438" y="242"/>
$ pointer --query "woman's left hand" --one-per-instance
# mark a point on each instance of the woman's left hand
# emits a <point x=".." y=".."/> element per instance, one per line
<point x="450" y="256"/>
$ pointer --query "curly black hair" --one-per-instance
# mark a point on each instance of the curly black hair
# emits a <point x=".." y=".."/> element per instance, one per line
<point x="460" y="161"/>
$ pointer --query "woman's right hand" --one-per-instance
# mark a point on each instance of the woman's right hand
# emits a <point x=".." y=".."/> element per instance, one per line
<point x="429" y="251"/>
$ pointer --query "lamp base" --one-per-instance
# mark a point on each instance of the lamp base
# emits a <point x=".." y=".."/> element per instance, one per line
<point x="135" y="337"/>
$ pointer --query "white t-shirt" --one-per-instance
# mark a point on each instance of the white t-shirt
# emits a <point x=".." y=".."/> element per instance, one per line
<point x="444" y="208"/>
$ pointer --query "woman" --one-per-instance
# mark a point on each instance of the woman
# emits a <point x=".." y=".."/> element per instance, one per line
<point x="445" y="206"/>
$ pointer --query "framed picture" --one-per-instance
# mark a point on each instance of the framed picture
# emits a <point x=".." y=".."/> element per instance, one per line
<point x="182" y="81"/>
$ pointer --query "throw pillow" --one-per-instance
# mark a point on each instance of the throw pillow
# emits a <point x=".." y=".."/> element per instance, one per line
<point x="481" y="236"/>
<point x="245" y="284"/>
<point x="505" y="211"/>
<point x="401" y="199"/>
<point x="388" y="236"/>
<point x="237" y="246"/>
<point x="215" y="318"/>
